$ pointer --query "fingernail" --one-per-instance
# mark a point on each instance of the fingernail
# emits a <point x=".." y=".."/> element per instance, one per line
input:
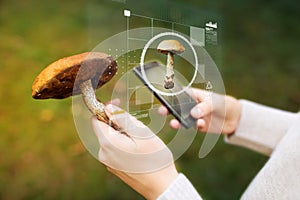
<point x="196" y="112"/>
<point x="200" y="122"/>
<point x="115" y="102"/>
<point x="94" y="119"/>
<point x="113" y="110"/>
<point x="109" y="108"/>
<point x="161" y="110"/>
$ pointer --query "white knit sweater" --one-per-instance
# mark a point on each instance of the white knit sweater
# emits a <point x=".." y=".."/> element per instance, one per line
<point x="272" y="132"/>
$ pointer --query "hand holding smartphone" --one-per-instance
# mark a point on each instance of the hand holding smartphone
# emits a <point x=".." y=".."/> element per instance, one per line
<point x="178" y="104"/>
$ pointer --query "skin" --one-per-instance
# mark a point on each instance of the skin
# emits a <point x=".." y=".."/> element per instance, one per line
<point x="152" y="184"/>
<point x="204" y="110"/>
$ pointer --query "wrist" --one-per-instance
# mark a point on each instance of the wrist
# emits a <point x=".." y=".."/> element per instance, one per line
<point x="165" y="178"/>
<point x="233" y="115"/>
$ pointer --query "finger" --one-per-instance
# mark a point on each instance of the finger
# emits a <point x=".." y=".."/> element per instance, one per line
<point x="108" y="137"/>
<point x="127" y="122"/>
<point x="102" y="131"/>
<point x="102" y="156"/>
<point x="115" y="102"/>
<point x="201" y="124"/>
<point x="201" y="109"/>
<point x="175" y="124"/>
<point x="162" y="110"/>
<point x="197" y="94"/>
<point x="121" y="117"/>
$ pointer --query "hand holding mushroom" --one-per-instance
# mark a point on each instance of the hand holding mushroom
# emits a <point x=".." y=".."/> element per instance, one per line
<point x="170" y="47"/>
<point x="91" y="70"/>
<point x="142" y="161"/>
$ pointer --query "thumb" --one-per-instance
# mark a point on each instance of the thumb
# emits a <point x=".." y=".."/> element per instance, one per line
<point x="103" y="132"/>
<point x="127" y="122"/>
<point x="108" y="137"/>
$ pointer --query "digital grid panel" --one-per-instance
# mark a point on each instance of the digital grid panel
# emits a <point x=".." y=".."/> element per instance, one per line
<point x="133" y="21"/>
<point x="197" y="36"/>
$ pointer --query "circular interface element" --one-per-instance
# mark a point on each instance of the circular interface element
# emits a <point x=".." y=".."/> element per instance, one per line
<point x="143" y="58"/>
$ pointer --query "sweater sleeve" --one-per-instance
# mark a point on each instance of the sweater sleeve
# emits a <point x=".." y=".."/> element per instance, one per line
<point x="181" y="188"/>
<point x="261" y="127"/>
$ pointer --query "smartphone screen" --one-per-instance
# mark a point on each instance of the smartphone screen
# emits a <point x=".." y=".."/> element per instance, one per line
<point x="176" y="100"/>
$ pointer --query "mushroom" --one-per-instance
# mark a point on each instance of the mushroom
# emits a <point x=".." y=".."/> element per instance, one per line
<point x="170" y="47"/>
<point x="78" y="74"/>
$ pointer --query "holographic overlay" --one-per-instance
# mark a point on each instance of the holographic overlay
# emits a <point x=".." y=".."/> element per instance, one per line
<point x="126" y="87"/>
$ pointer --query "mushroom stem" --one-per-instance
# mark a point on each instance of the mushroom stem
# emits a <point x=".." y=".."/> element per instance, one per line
<point x="169" y="82"/>
<point x="90" y="99"/>
<point x="95" y="105"/>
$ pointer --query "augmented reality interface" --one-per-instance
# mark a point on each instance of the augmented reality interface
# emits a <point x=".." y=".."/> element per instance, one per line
<point x="185" y="44"/>
<point x="177" y="46"/>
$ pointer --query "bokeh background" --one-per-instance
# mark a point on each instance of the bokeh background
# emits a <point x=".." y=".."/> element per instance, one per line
<point x="41" y="155"/>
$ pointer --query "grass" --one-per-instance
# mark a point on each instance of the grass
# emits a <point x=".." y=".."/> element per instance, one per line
<point x="40" y="150"/>
<point x="41" y="155"/>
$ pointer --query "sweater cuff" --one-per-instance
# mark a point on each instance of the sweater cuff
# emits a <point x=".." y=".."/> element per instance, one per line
<point x="261" y="127"/>
<point x="181" y="188"/>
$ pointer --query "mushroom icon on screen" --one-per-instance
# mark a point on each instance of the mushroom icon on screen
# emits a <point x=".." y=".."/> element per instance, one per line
<point x="170" y="47"/>
<point x="74" y="75"/>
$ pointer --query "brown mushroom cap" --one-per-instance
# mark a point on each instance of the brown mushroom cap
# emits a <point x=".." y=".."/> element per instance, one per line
<point x="57" y="80"/>
<point x="172" y="46"/>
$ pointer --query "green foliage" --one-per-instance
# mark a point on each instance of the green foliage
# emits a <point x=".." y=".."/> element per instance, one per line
<point x="42" y="156"/>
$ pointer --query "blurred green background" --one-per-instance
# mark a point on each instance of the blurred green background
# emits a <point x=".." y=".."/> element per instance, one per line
<point x="41" y="155"/>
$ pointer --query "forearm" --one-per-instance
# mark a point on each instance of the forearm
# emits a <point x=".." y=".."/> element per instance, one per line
<point x="260" y="127"/>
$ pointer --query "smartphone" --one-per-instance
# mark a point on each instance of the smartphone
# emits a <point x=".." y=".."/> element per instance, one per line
<point x="176" y="100"/>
